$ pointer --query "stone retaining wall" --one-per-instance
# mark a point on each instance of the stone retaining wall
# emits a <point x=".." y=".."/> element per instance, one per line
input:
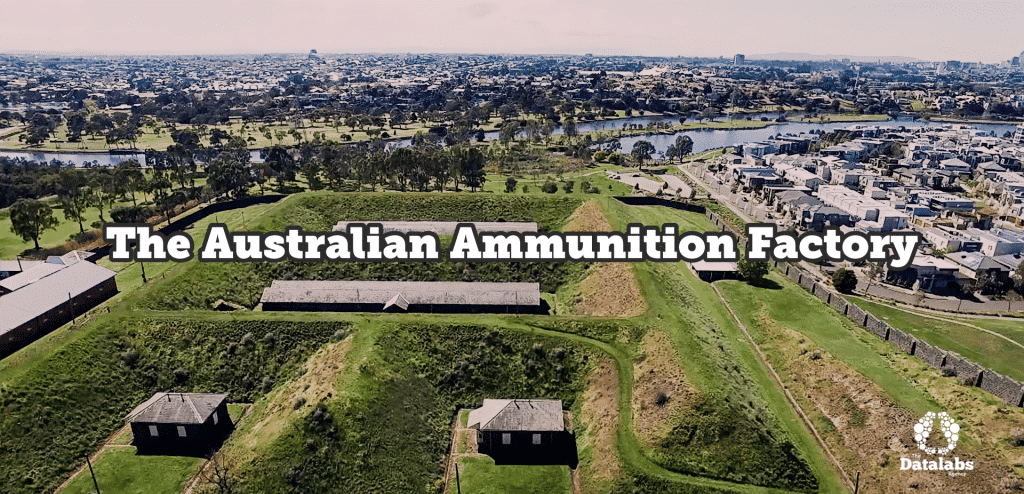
<point x="931" y="354"/>
<point x="839" y="304"/>
<point x="902" y="340"/>
<point x="1005" y="388"/>
<point x="964" y="368"/>
<point x="875" y="325"/>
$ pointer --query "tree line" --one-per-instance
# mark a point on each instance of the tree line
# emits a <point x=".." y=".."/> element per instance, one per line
<point x="230" y="172"/>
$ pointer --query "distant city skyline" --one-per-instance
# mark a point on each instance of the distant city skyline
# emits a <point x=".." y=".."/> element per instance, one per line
<point x="985" y="31"/>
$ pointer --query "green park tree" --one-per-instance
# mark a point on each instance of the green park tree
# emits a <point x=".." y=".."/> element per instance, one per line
<point x="642" y="151"/>
<point x="74" y="192"/>
<point x="30" y="218"/>
<point x="752" y="271"/>
<point x="844" y="280"/>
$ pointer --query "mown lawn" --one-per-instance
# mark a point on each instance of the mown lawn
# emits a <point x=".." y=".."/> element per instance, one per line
<point x="986" y="349"/>
<point x="479" y="475"/>
<point x="121" y="471"/>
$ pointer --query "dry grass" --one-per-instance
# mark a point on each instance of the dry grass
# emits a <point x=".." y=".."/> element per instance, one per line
<point x="656" y="372"/>
<point x="589" y="217"/>
<point x="273" y="417"/>
<point x="610" y="288"/>
<point x="600" y="411"/>
<point x="870" y="433"/>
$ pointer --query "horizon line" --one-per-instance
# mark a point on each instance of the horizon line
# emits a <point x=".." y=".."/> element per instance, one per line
<point x="753" y="57"/>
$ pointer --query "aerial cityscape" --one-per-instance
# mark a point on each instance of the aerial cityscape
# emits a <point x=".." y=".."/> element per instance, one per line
<point x="500" y="252"/>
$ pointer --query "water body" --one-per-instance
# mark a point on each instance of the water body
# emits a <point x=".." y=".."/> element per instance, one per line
<point x="703" y="140"/>
<point x="87" y="160"/>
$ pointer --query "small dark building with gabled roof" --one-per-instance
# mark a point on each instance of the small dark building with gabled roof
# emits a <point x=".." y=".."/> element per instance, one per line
<point x="181" y="423"/>
<point x="524" y="432"/>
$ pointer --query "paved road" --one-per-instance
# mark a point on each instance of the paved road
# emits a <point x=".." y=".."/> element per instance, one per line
<point x="634" y="179"/>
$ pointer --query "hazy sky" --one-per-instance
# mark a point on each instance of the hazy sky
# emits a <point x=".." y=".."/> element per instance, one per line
<point x="986" y="31"/>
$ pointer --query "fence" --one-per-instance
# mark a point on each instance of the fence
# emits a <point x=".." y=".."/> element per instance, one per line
<point x="1006" y="389"/>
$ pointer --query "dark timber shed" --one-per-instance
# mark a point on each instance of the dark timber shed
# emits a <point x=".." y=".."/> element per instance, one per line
<point x="404" y="296"/>
<point x="524" y="431"/>
<point x="180" y="422"/>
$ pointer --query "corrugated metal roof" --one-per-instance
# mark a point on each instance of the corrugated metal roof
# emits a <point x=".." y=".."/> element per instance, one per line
<point x="32" y="300"/>
<point x="177" y="408"/>
<point x="30" y="276"/>
<point x="16" y="266"/>
<point x="413" y="292"/>
<point x="518" y="415"/>
<point x="443" y="227"/>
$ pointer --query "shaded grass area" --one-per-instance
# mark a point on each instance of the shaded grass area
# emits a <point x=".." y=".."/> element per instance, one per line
<point x="121" y="471"/>
<point x="201" y="284"/>
<point x="69" y="402"/>
<point x="988" y="350"/>
<point x="390" y="433"/>
<point x="481" y="475"/>
<point x="792" y="307"/>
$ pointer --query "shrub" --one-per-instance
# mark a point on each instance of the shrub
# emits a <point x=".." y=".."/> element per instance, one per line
<point x="752" y="271"/>
<point x="1017" y="438"/>
<point x="549" y="187"/>
<point x="844" y="280"/>
<point x="660" y="399"/>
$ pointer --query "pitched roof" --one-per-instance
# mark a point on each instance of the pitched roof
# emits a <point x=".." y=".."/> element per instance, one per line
<point x="43" y="293"/>
<point x="442" y="227"/>
<point x="177" y="408"/>
<point x="518" y="415"/>
<point x="17" y="266"/>
<point x="388" y="293"/>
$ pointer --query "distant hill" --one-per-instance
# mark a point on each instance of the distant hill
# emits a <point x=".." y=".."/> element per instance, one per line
<point x="824" y="58"/>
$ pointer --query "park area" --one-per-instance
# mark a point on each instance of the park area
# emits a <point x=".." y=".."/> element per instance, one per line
<point x="120" y="471"/>
<point x="479" y="475"/>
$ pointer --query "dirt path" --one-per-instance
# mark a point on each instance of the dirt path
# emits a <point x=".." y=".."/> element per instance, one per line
<point x="454" y="453"/>
<point x="792" y="401"/>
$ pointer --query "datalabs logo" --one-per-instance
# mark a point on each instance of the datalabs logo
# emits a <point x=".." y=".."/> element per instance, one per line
<point x="949" y="431"/>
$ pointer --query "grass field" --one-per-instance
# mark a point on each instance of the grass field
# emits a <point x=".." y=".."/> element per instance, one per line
<point x="12" y="245"/>
<point x="705" y="336"/>
<point x="393" y="383"/>
<point x="481" y="476"/>
<point x="981" y="347"/>
<point x="120" y="471"/>
<point x="792" y="307"/>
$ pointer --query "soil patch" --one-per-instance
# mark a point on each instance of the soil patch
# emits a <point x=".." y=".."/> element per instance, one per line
<point x="659" y="388"/>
